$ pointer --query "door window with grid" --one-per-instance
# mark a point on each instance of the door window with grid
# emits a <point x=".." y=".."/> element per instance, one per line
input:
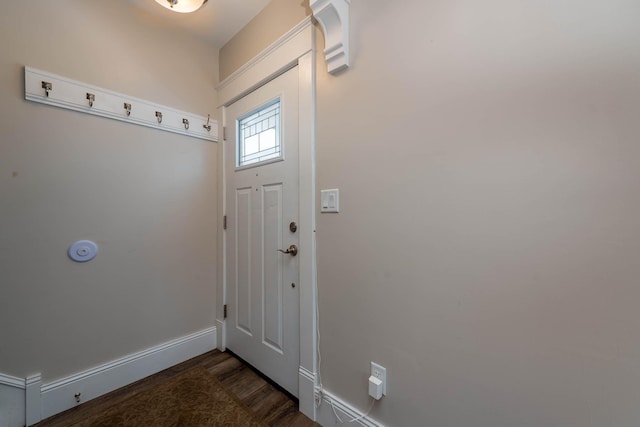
<point x="259" y="135"/>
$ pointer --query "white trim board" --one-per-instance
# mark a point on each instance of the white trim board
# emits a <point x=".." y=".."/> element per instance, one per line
<point x="326" y="417"/>
<point x="276" y="59"/>
<point x="294" y="48"/>
<point x="12" y="401"/>
<point x="58" y="396"/>
<point x="11" y="381"/>
<point x="72" y="95"/>
<point x="12" y="406"/>
<point x="306" y="387"/>
<point x="32" y="399"/>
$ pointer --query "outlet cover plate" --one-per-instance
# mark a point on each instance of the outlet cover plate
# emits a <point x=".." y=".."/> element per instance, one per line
<point x="380" y="372"/>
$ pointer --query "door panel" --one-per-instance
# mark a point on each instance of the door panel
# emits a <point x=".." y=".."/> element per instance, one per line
<point x="262" y="291"/>
<point x="243" y="255"/>
<point x="272" y="309"/>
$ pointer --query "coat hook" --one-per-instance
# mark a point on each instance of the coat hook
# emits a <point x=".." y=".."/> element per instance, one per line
<point x="186" y="123"/>
<point x="47" y="87"/>
<point x="159" y="116"/>
<point x="127" y="108"/>
<point x="91" y="97"/>
<point x="207" y="126"/>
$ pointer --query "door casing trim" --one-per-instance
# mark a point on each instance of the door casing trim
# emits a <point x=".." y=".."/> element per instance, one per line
<point x="295" y="48"/>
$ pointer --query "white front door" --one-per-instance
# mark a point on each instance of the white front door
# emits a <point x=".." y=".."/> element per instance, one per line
<point x="261" y="163"/>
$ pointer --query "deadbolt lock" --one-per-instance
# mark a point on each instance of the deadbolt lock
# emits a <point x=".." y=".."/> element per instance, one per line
<point x="293" y="227"/>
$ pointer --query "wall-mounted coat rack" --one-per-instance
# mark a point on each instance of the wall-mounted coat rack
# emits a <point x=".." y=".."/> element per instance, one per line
<point x="51" y="89"/>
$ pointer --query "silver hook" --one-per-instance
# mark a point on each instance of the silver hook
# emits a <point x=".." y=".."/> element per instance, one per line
<point x="185" y="122"/>
<point x="91" y="97"/>
<point x="207" y="126"/>
<point x="47" y="87"/>
<point x="127" y="108"/>
<point x="159" y="116"/>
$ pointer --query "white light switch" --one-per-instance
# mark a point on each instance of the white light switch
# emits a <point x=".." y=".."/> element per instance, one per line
<point x="330" y="200"/>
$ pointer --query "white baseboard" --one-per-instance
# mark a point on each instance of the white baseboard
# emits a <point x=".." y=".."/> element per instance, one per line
<point x="326" y="416"/>
<point x="13" y="382"/>
<point x="59" y="395"/>
<point x="12" y="413"/>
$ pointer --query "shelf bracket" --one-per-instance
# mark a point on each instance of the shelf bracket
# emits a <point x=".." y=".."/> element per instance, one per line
<point x="333" y="16"/>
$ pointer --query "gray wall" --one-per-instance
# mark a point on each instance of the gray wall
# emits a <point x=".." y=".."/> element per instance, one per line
<point x="148" y="198"/>
<point x="487" y="248"/>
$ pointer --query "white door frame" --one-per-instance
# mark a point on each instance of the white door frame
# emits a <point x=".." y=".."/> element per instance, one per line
<point x="297" y="47"/>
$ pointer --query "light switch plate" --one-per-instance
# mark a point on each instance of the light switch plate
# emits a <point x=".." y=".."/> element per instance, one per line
<point x="330" y="200"/>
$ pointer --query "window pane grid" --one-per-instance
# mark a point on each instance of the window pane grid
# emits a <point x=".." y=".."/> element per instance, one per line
<point x="259" y="135"/>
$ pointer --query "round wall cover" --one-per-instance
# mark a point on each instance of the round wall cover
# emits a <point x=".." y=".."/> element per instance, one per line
<point x="83" y="251"/>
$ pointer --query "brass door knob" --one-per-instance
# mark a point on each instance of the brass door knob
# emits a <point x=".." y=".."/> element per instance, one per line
<point x="291" y="250"/>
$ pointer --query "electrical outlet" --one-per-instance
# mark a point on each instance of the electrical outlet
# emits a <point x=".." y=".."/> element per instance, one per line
<point x="380" y="372"/>
<point x="318" y="396"/>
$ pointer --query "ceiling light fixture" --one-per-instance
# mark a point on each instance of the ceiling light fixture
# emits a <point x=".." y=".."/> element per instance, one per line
<point x="182" y="6"/>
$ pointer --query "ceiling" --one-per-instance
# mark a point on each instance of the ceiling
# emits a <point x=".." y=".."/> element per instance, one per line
<point x="216" y="22"/>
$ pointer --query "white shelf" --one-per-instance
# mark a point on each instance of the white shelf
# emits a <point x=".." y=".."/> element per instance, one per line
<point x="72" y="95"/>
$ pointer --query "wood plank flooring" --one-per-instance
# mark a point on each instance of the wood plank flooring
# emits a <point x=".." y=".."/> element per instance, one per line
<point x="267" y="401"/>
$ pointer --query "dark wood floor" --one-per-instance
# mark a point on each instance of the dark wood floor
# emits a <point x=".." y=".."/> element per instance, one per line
<point x="264" y="399"/>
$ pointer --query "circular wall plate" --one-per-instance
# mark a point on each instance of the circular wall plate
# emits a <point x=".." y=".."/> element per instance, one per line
<point x="83" y="251"/>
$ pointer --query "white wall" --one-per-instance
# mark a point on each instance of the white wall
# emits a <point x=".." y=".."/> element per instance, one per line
<point x="148" y="198"/>
<point x="486" y="251"/>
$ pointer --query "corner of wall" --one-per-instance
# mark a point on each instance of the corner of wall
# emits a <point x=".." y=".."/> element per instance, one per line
<point x="28" y="401"/>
